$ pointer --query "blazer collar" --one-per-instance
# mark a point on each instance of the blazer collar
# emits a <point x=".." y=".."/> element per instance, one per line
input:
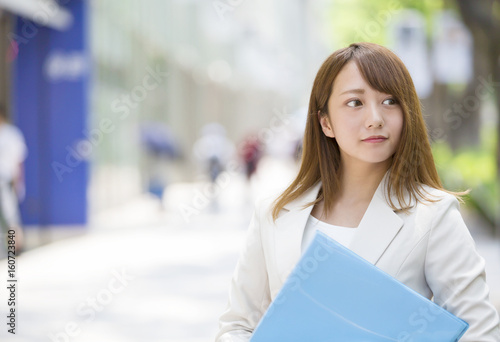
<point x="377" y="229"/>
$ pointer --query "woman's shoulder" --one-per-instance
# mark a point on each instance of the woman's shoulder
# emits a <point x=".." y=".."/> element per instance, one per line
<point x="437" y="199"/>
<point x="265" y="202"/>
<point x="435" y="193"/>
<point x="432" y="208"/>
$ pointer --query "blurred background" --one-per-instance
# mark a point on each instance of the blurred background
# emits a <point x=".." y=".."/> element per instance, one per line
<point x="142" y="131"/>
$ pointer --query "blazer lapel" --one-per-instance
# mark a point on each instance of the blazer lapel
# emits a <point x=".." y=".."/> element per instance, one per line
<point x="289" y="230"/>
<point x="377" y="228"/>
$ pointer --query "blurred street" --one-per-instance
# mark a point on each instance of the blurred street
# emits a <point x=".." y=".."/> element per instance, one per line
<point x="161" y="280"/>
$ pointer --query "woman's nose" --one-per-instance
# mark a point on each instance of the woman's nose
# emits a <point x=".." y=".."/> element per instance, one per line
<point x="374" y="117"/>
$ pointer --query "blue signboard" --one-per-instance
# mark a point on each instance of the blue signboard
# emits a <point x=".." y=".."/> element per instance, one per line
<point x="50" y="106"/>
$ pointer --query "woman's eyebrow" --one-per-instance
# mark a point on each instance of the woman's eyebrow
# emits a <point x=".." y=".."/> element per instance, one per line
<point x="353" y="91"/>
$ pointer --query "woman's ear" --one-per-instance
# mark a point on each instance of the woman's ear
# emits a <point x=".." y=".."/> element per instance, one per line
<point x="326" y="125"/>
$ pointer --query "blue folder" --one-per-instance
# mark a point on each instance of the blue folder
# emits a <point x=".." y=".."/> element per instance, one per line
<point x="333" y="294"/>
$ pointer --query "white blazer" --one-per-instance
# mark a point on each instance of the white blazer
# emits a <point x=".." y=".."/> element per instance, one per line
<point x="429" y="249"/>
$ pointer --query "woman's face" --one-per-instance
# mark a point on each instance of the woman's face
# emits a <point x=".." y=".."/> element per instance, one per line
<point x="366" y="123"/>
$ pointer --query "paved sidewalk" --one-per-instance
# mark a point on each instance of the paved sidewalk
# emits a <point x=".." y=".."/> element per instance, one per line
<point x="143" y="284"/>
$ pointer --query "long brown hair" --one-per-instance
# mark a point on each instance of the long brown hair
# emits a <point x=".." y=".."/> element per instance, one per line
<point x="412" y="164"/>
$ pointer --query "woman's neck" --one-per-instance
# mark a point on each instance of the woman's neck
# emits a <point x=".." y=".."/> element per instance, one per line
<point x="359" y="182"/>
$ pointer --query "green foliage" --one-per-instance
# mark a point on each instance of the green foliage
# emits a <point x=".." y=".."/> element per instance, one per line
<point x="474" y="169"/>
<point x="368" y="20"/>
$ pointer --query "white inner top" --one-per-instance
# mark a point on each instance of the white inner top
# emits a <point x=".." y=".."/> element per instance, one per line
<point x="342" y="235"/>
<point x="12" y="151"/>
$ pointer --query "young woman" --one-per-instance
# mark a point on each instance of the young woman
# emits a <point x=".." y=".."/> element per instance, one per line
<point x="367" y="179"/>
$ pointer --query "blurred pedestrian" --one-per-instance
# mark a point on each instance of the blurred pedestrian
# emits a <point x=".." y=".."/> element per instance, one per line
<point x="13" y="152"/>
<point x="251" y="153"/>
<point x="161" y="148"/>
<point x="213" y="151"/>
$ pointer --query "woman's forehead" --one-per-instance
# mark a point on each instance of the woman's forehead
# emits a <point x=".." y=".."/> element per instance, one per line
<point x="350" y="80"/>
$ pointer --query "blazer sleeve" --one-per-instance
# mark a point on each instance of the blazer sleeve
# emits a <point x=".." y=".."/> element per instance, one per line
<point x="455" y="273"/>
<point x="249" y="294"/>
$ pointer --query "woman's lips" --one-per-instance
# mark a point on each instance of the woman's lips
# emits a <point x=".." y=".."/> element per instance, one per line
<point x="375" y="139"/>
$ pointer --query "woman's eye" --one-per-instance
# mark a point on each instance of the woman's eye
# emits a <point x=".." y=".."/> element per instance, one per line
<point x="390" y="101"/>
<point x="354" y="103"/>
